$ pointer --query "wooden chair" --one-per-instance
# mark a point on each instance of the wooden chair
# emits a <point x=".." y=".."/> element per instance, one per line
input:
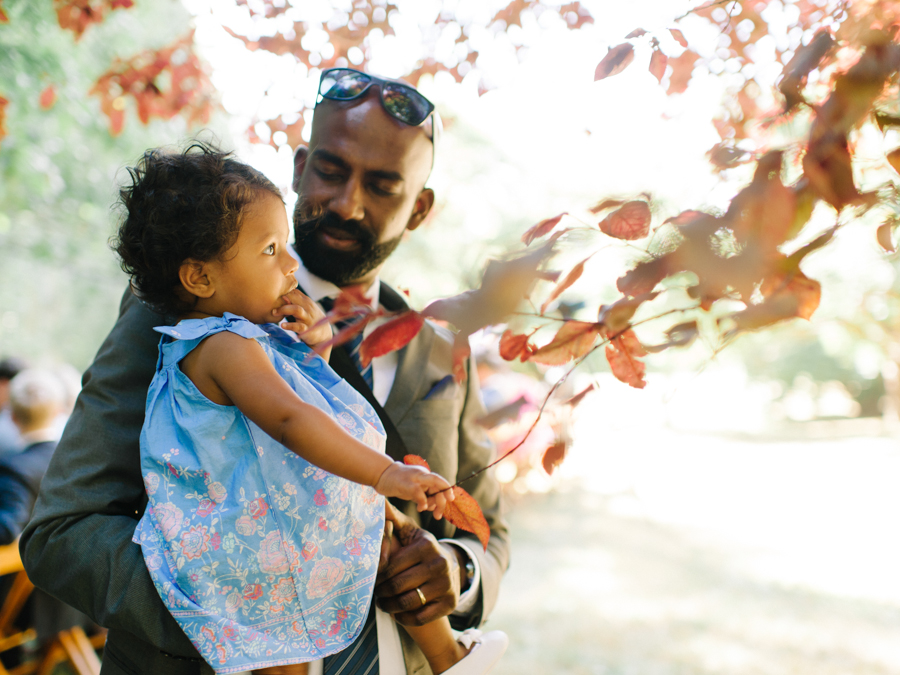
<point x="71" y="646"/>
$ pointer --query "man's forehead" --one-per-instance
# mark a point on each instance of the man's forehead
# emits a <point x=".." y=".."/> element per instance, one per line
<point x="362" y="130"/>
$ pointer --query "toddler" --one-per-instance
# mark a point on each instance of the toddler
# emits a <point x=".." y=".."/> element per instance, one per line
<point x="265" y="471"/>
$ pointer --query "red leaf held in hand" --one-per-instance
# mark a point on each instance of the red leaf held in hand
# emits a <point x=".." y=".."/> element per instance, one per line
<point x="631" y="221"/>
<point x="658" y="63"/>
<point x="554" y="456"/>
<point x="679" y="37"/>
<point x="391" y="336"/>
<point x="48" y="97"/>
<point x="573" y="276"/>
<point x="616" y="60"/>
<point x="542" y="228"/>
<point x="415" y="460"/>
<point x="885" y="236"/>
<point x="465" y="513"/>
<point x="513" y="346"/>
<point x="572" y="341"/>
<point x="622" y="352"/>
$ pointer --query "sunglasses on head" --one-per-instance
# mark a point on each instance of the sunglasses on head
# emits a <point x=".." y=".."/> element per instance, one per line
<point x="401" y="101"/>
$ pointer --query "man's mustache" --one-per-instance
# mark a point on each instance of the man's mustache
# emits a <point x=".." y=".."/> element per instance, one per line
<point x="330" y="220"/>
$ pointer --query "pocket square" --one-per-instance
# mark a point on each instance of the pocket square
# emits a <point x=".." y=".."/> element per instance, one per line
<point x="443" y="388"/>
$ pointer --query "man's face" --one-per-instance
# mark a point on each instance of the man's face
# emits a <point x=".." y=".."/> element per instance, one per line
<point x="360" y="187"/>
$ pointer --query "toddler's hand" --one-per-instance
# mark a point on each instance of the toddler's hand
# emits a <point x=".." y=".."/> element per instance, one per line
<point x="305" y="318"/>
<point x="417" y="484"/>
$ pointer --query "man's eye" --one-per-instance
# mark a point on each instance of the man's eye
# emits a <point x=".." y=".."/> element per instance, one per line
<point x="383" y="190"/>
<point x="328" y="175"/>
<point x="270" y="249"/>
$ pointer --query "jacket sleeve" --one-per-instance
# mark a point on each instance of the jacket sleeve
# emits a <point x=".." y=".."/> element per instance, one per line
<point x="78" y="545"/>
<point x="475" y="452"/>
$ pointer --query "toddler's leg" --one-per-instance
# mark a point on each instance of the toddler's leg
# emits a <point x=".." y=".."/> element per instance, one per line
<point x="436" y="641"/>
<point x="293" y="669"/>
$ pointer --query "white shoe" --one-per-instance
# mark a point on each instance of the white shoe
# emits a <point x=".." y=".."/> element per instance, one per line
<point x="486" y="650"/>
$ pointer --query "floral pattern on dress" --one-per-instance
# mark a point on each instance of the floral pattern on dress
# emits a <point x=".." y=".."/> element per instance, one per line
<point x="261" y="557"/>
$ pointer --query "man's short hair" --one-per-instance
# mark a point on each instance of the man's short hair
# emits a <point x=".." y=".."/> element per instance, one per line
<point x="36" y="396"/>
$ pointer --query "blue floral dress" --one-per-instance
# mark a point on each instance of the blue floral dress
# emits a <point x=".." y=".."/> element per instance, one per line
<point x="261" y="557"/>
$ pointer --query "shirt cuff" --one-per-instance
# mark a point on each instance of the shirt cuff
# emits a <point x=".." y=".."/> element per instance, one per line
<point x="468" y="598"/>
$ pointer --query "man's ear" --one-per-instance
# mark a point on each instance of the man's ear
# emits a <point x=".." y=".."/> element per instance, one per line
<point x="300" y="155"/>
<point x="424" y="202"/>
<point x="195" y="279"/>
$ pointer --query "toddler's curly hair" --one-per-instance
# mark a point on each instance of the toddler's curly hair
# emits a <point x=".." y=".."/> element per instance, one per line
<point x="180" y="206"/>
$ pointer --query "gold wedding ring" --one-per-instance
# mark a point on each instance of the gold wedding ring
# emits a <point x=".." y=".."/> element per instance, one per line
<point x="421" y="596"/>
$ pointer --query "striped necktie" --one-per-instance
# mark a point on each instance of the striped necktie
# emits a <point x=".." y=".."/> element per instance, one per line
<point x="361" y="657"/>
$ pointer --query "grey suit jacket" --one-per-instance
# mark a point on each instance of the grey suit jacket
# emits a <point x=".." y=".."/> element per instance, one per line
<point x="78" y="544"/>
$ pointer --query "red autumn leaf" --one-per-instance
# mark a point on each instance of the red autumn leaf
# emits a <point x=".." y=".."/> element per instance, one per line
<point x="346" y="333"/>
<point x="606" y="204"/>
<point x="554" y="456"/>
<point x="579" y="397"/>
<point x="391" y="336"/>
<point x="549" y="275"/>
<point x="644" y="277"/>
<point x="572" y="341"/>
<point x="466" y="514"/>
<point x="805" y="60"/>
<point x="808" y="293"/>
<point x="121" y="4"/>
<point x="573" y="276"/>
<point x="616" y="60"/>
<point x="636" y="33"/>
<point x="510" y="411"/>
<point x="885" y="236"/>
<point x="542" y="228"/>
<point x="48" y="97"/>
<point x="460" y="354"/>
<point x="682" y="69"/>
<point x="513" y="346"/>
<point x="658" y="63"/>
<point x="503" y="288"/>
<point x="679" y="37"/>
<point x="622" y="353"/>
<point x="615" y="317"/>
<point x="3" y="17"/>
<point x="415" y="460"/>
<point x="686" y="217"/>
<point x="894" y="158"/>
<point x="631" y="221"/>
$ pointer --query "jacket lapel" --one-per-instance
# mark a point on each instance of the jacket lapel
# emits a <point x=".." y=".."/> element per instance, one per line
<point x="412" y="362"/>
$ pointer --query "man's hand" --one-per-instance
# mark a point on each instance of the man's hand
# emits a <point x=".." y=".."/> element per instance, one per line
<point x="420" y="562"/>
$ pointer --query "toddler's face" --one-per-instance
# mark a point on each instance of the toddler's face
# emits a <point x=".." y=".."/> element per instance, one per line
<point x="258" y="269"/>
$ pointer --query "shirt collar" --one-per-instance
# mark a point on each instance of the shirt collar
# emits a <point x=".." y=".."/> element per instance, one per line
<point x="40" y="436"/>
<point x="318" y="288"/>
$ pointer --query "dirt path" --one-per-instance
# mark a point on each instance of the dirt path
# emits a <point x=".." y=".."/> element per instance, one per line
<point x="599" y="587"/>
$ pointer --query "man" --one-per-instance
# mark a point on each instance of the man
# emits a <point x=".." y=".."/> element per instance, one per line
<point x="364" y="174"/>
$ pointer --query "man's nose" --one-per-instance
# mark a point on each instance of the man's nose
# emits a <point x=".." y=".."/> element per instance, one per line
<point x="348" y="203"/>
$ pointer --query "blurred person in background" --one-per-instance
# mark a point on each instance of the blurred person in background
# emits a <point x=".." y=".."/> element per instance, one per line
<point x="9" y="434"/>
<point x="36" y="398"/>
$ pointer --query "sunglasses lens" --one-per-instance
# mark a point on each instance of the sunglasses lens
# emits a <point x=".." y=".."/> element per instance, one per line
<point x="343" y="84"/>
<point x="405" y="103"/>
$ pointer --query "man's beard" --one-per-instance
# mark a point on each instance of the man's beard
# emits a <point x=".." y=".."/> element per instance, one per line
<point x="341" y="268"/>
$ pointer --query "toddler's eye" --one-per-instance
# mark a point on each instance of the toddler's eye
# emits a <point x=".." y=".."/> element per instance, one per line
<point x="270" y="249"/>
